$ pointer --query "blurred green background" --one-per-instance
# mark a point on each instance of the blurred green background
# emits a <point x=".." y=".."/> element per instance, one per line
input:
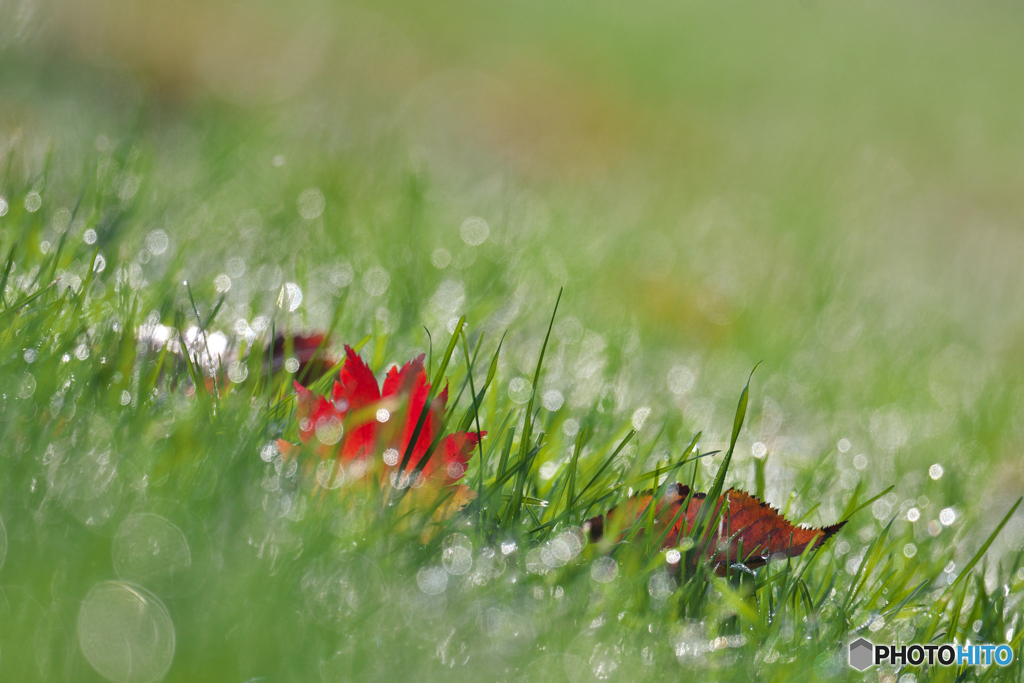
<point x="836" y="191"/>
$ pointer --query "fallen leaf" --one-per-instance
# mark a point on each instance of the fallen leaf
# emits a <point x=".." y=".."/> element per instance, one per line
<point x="749" y="531"/>
<point x="367" y="428"/>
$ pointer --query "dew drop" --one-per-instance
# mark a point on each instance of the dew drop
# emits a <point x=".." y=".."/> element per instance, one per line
<point x="474" y="231"/>
<point x="126" y="633"/>
<point x="311" y="203"/>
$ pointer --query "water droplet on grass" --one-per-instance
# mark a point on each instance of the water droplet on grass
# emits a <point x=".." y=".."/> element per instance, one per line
<point x="290" y="296"/>
<point x="238" y="371"/>
<point x="236" y="266"/>
<point x="441" y="258"/>
<point x="640" y="416"/>
<point x="311" y="203"/>
<point x="330" y="474"/>
<point x="269" y="451"/>
<point x="28" y="386"/>
<point x="342" y="274"/>
<point x="432" y="580"/>
<point x="604" y="570"/>
<point x="457" y="554"/>
<point x="329" y="430"/>
<point x="474" y="231"/>
<point x="548" y="470"/>
<point x="128" y="185"/>
<point x="553" y="400"/>
<point x="33" y="201"/>
<point x="376" y="281"/>
<point x="660" y="585"/>
<point x="569" y="330"/>
<point x="157" y="242"/>
<point x="881" y="509"/>
<point x="126" y="633"/>
<point x="519" y="390"/>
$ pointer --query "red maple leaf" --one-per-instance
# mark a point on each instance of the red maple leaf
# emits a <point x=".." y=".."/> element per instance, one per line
<point x="360" y="423"/>
<point x="748" y="531"/>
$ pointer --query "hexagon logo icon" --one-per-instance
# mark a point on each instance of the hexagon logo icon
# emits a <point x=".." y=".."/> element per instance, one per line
<point x="861" y="654"/>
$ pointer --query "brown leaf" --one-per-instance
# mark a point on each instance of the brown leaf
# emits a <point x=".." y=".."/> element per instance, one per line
<point x="749" y="531"/>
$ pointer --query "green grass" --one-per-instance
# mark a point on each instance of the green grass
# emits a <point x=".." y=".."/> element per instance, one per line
<point x="826" y="191"/>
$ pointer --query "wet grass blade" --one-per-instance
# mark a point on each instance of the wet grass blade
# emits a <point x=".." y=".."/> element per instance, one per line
<point x="851" y="510"/>
<point x="213" y="313"/>
<point x="14" y="308"/>
<point x="966" y="571"/>
<point x="867" y="565"/>
<point x="428" y="404"/>
<point x="206" y="340"/>
<point x="507" y="450"/>
<point x="704" y="523"/>
<point x="476" y="413"/>
<point x="582" y="439"/>
<point x="8" y="266"/>
<point x="524" y="440"/>
<point x="601" y="470"/>
<point x="492" y="370"/>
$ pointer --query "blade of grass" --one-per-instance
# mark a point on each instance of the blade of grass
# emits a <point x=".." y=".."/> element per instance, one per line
<point x="607" y="462"/>
<point x="476" y="414"/>
<point x="704" y="522"/>
<point x="507" y="451"/>
<point x="984" y="547"/>
<point x="206" y="340"/>
<point x="7" y="273"/>
<point x="524" y="439"/>
<point x="867" y="565"/>
<point x="851" y="511"/>
<point x="429" y="402"/>
<point x="492" y="370"/>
